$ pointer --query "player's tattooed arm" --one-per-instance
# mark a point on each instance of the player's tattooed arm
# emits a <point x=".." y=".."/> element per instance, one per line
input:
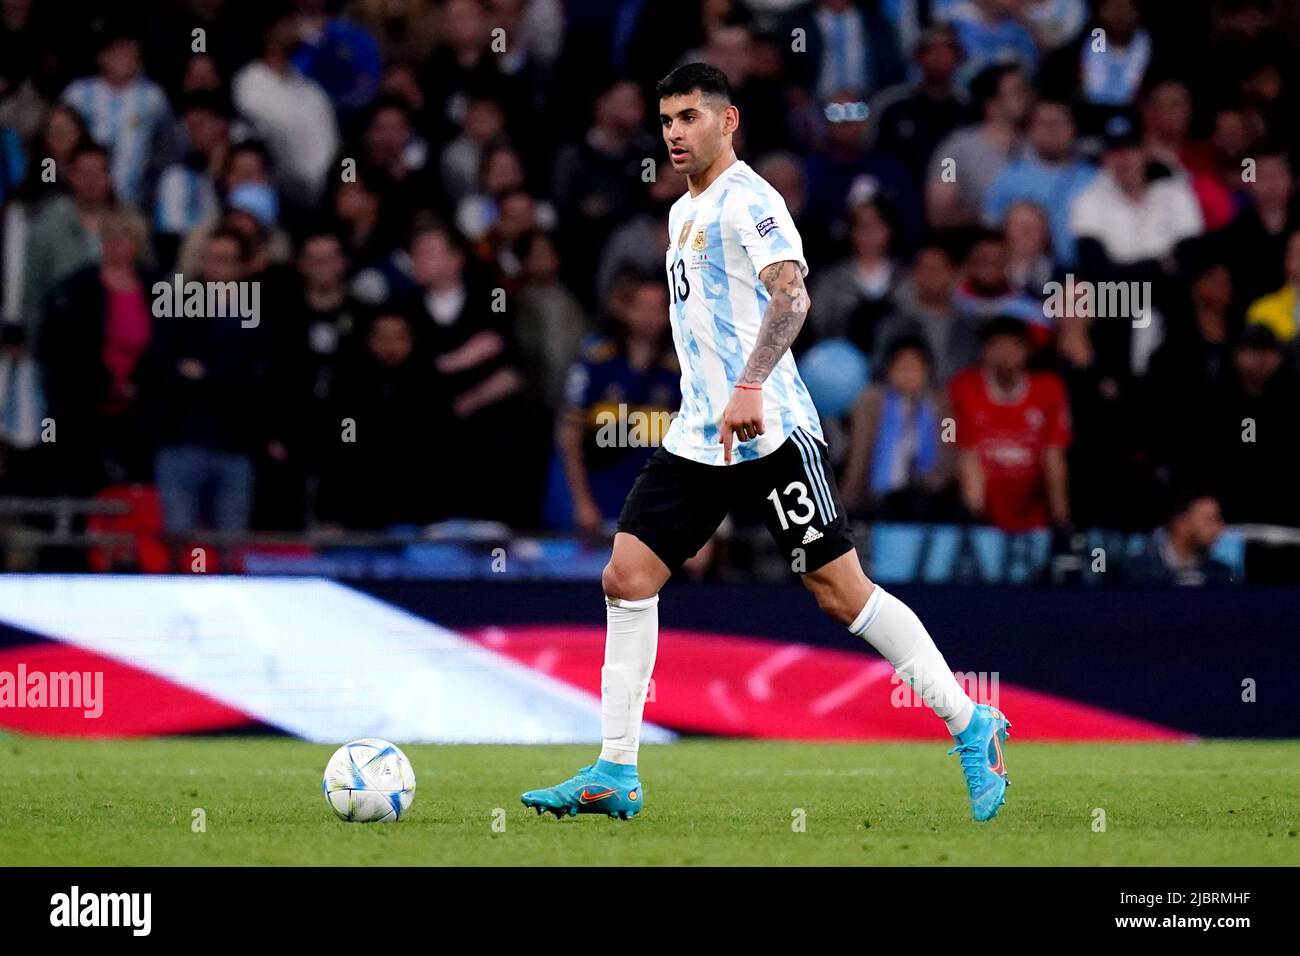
<point x="781" y="322"/>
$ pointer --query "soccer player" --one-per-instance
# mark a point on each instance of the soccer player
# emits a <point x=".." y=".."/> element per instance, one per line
<point x="747" y="431"/>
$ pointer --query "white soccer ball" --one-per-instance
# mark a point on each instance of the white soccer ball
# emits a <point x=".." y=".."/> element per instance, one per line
<point x="369" y="781"/>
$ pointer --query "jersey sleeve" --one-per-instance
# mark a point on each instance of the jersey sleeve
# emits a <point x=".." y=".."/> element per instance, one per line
<point x="766" y="230"/>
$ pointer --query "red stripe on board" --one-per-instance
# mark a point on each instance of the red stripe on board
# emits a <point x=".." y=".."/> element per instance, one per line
<point x="735" y="686"/>
<point x="135" y="703"/>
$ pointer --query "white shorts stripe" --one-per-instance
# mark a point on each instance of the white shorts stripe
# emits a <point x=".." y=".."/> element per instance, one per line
<point x="810" y="465"/>
<point x="816" y="458"/>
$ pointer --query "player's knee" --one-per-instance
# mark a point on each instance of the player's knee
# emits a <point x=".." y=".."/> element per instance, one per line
<point x="626" y="583"/>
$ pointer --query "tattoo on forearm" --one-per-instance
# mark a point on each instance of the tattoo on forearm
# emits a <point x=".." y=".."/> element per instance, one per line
<point x="781" y="322"/>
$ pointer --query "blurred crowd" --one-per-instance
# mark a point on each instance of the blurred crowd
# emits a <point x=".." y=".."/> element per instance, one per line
<point x="455" y="214"/>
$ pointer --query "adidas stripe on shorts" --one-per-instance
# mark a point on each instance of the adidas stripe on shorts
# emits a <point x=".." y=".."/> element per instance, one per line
<point x="676" y="504"/>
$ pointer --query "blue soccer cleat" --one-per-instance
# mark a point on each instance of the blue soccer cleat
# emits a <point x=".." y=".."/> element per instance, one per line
<point x="604" y="787"/>
<point x="980" y="749"/>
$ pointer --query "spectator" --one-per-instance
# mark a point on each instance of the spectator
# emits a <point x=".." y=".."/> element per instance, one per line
<point x="290" y="113"/>
<point x="58" y="139"/>
<point x="384" y="407"/>
<point x="97" y="328"/>
<point x="991" y="34"/>
<point x="551" y="323"/>
<point x="854" y="295"/>
<point x="732" y="47"/>
<point x="247" y="185"/>
<point x="598" y="179"/>
<point x="1126" y="221"/>
<point x="462" y="158"/>
<point x="896" y="465"/>
<point x="306" y="341"/>
<point x="1249" y="441"/>
<point x="1029" y="248"/>
<point x="469" y="347"/>
<point x="397" y="154"/>
<point x="126" y="113"/>
<point x="187" y="191"/>
<point x="985" y="290"/>
<point x="340" y="56"/>
<point x="502" y="173"/>
<point x="635" y="245"/>
<point x="850" y="47"/>
<point x="1106" y="450"/>
<point x="1179" y="553"/>
<point x="1047" y="174"/>
<point x="620" y="396"/>
<point x="1013" y="427"/>
<point x="914" y="118"/>
<point x="1104" y="71"/>
<point x="843" y="170"/>
<point x="1277" y="310"/>
<point x="1254" y="245"/>
<point x="927" y="308"/>
<point x="368" y="225"/>
<point x="464" y="65"/>
<point x="965" y="165"/>
<point x="203" y="388"/>
<point x="66" y="234"/>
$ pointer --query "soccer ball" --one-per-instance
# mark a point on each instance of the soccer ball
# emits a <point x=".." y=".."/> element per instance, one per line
<point x="369" y="781"/>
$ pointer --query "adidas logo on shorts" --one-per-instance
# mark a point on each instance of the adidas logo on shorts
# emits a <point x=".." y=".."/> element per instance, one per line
<point x="811" y="535"/>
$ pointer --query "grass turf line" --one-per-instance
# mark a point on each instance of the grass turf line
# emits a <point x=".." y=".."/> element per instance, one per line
<point x="709" y="802"/>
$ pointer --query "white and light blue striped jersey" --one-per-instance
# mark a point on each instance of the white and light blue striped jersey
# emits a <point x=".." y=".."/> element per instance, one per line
<point x="124" y="121"/>
<point x="185" y="197"/>
<point x="719" y="242"/>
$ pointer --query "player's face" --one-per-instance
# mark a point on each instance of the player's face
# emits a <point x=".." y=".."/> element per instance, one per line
<point x="695" y="129"/>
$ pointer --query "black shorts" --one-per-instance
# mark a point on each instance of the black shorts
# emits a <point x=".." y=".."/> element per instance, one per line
<point x="677" y="504"/>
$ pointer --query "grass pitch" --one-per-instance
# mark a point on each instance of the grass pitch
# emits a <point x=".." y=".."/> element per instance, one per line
<point x="708" y="803"/>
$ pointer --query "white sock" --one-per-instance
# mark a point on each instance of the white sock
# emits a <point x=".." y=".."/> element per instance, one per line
<point x="890" y="626"/>
<point x="631" y="640"/>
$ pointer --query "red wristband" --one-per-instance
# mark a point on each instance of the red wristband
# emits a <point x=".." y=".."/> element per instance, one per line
<point x="750" y="388"/>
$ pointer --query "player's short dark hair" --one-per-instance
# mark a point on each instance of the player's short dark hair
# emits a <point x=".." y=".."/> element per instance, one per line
<point x="709" y="80"/>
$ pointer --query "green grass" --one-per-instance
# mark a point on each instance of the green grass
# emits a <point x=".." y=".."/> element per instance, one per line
<point x="709" y="802"/>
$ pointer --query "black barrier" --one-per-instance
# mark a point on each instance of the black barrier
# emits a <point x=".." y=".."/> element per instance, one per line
<point x="1217" y="662"/>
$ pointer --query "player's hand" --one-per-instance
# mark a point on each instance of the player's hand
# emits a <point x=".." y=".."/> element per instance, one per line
<point x="742" y="416"/>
